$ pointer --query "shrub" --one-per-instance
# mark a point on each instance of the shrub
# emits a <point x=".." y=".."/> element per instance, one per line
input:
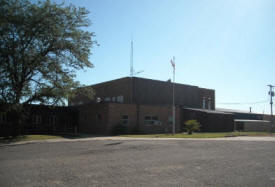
<point x="192" y="125"/>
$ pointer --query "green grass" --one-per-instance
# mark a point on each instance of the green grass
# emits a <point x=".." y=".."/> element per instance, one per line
<point x="201" y="135"/>
<point x="28" y="138"/>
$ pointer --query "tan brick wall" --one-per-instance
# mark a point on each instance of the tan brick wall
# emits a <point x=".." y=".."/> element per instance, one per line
<point x="257" y="126"/>
<point x="116" y="111"/>
<point x="163" y="112"/>
<point x="111" y="114"/>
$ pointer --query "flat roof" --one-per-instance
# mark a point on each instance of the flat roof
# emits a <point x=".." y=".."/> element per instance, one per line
<point x="207" y="111"/>
<point x="235" y="111"/>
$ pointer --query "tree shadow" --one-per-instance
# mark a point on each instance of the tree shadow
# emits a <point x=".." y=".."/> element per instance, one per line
<point x="20" y="138"/>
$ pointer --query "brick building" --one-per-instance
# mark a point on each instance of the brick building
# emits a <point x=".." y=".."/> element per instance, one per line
<point x="145" y="105"/>
<point x="140" y="105"/>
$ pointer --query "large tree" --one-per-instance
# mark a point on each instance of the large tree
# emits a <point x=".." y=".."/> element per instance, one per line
<point x="42" y="45"/>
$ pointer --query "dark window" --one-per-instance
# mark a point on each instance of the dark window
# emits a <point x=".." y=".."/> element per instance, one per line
<point x="151" y="120"/>
<point x="147" y="118"/>
<point x="125" y="119"/>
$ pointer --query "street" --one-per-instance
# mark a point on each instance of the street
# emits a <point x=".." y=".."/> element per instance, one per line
<point x="139" y="163"/>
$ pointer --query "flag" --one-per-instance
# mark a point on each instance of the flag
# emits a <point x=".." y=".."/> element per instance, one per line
<point x="173" y="64"/>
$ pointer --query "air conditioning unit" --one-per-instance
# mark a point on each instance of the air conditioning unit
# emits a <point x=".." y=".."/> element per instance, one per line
<point x="157" y="122"/>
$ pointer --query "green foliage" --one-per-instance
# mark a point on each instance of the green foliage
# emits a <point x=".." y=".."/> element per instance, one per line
<point x="191" y="126"/>
<point x="42" y="46"/>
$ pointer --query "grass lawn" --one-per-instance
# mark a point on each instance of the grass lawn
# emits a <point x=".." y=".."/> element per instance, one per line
<point x="179" y="135"/>
<point x="28" y="138"/>
<point x="201" y="135"/>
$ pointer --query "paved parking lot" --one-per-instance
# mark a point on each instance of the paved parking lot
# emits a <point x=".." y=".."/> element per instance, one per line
<point x="139" y="163"/>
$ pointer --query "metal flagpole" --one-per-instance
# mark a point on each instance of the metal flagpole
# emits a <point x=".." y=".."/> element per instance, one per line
<point x="174" y="115"/>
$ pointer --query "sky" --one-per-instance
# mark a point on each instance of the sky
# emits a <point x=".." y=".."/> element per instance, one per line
<point x="228" y="45"/>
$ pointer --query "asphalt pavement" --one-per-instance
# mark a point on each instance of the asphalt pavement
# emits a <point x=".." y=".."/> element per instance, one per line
<point x="131" y="162"/>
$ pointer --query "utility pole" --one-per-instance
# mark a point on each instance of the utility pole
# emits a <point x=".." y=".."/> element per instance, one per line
<point x="132" y="70"/>
<point x="132" y="59"/>
<point x="271" y="93"/>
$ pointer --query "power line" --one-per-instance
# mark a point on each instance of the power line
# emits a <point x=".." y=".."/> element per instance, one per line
<point x="248" y="103"/>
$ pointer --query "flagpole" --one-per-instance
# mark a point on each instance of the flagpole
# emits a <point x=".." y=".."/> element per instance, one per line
<point x="174" y="115"/>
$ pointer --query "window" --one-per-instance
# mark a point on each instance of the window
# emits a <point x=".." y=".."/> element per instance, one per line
<point x="114" y="99"/>
<point x="125" y="119"/>
<point x="170" y="119"/>
<point x="151" y="120"/>
<point x="203" y="103"/>
<point x="120" y="99"/>
<point x="209" y="103"/>
<point x="147" y="118"/>
<point x="107" y="99"/>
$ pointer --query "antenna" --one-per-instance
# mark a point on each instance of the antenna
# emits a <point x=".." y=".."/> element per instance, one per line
<point x="132" y="59"/>
<point x="132" y="71"/>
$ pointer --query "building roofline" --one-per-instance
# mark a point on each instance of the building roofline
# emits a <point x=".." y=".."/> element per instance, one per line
<point x="236" y="111"/>
<point x="250" y="120"/>
<point x="206" y="110"/>
<point x="141" y="78"/>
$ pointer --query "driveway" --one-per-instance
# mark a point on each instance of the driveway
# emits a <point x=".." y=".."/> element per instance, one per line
<point x="131" y="162"/>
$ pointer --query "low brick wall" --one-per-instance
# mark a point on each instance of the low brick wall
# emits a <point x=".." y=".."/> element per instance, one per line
<point x="257" y="126"/>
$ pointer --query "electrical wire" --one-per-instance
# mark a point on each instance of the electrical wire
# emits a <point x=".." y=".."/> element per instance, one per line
<point x="249" y="103"/>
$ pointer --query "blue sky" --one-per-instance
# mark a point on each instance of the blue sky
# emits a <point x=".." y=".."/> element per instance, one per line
<point x="226" y="45"/>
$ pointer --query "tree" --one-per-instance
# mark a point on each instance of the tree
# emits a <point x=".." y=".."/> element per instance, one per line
<point x="192" y="125"/>
<point x="42" y="46"/>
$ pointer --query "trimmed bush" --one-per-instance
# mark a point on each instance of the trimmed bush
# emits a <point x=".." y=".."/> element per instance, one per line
<point x="191" y="126"/>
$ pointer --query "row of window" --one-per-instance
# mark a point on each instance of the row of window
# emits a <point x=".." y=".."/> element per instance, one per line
<point x="148" y="120"/>
<point x="119" y="99"/>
